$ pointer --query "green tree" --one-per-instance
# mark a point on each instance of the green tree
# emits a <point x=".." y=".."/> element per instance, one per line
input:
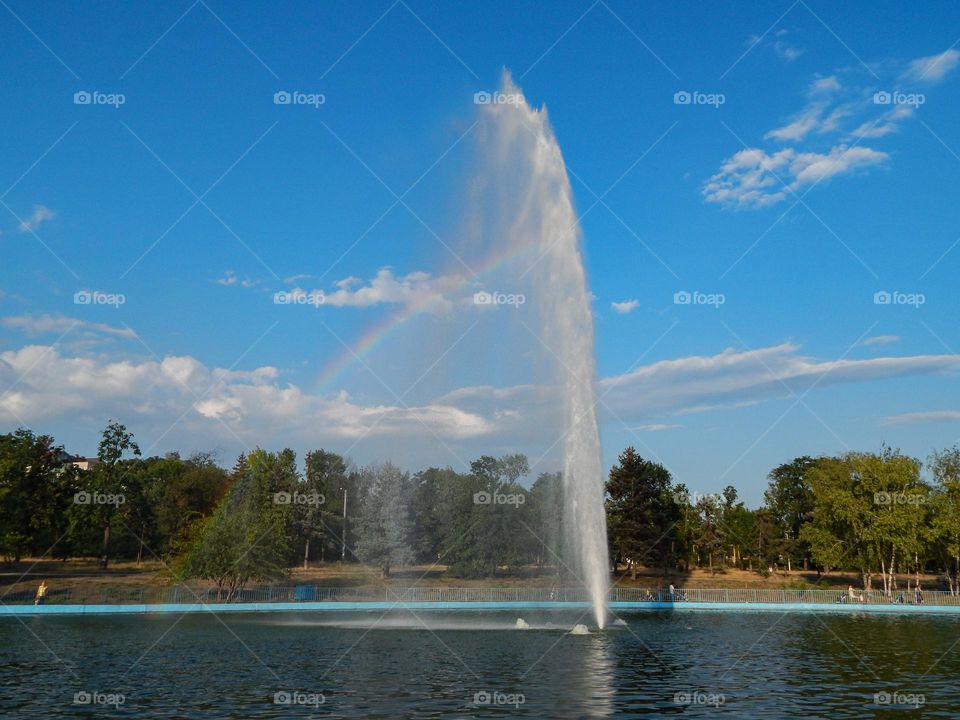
<point x="642" y="512"/>
<point x="945" y="507"/>
<point x="386" y="523"/>
<point x="109" y="479"/>
<point x="319" y="518"/>
<point x="789" y="497"/>
<point x="245" y="539"/>
<point x="37" y="484"/>
<point x="869" y="513"/>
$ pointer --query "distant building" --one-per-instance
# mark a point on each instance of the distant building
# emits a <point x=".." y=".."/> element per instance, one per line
<point x="78" y="461"/>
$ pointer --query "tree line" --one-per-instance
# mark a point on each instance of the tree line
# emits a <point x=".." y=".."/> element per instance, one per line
<point x="873" y="513"/>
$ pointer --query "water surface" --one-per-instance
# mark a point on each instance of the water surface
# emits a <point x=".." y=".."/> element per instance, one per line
<point x="436" y="664"/>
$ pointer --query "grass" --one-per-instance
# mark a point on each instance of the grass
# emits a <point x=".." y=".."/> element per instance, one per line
<point x="85" y="573"/>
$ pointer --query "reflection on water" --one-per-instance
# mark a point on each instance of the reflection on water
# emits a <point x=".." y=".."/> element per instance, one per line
<point x="433" y="665"/>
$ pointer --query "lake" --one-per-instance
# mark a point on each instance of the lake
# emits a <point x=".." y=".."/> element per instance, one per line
<point x="437" y="664"/>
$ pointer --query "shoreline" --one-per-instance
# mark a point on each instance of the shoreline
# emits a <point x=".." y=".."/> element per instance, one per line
<point x="468" y="606"/>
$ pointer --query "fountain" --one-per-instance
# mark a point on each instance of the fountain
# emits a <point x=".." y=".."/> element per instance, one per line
<point x="542" y="221"/>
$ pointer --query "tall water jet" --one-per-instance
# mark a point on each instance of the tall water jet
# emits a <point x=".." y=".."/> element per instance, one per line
<point x="536" y="202"/>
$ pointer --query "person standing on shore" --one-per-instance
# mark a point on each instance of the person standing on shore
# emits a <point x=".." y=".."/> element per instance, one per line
<point x="41" y="593"/>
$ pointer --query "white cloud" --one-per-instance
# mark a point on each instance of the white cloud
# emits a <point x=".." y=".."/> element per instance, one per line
<point x="734" y="376"/>
<point x="627" y="306"/>
<point x="886" y="124"/>
<point x="39" y="216"/>
<point x="800" y="126"/>
<point x="296" y="278"/>
<point x="751" y="178"/>
<point x="916" y="418"/>
<point x="880" y="340"/>
<point x="252" y="403"/>
<point x="932" y="68"/>
<point x="436" y="292"/>
<point x="787" y="52"/>
<point x="34" y="325"/>
<point x="207" y="406"/>
<point x="747" y="178"/>
<point x="828" y="84"/>
<point x="784" y="50"/>
<point x="231" y="278"/>
<point x="657" y="427"/>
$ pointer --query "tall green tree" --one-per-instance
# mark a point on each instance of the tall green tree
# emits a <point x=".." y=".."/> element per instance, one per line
<point x="642" y="512"/>
<point x="789" y="497"/>
<point x="869" y="513"/>
<point x="111" y="480"/>
<point x="945" y="513"/>
<point x="37" y="484"/>
<point x="318" y="517"/>
<point x="386" y="523"/>
<point x="246" y="538"/>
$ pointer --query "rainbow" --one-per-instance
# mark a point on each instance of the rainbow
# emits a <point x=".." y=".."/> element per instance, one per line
<point x="375" y="335"/>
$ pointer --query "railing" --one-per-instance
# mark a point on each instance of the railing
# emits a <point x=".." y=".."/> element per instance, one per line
<point x="112" y="595"/>
<point x="180" y="594"/>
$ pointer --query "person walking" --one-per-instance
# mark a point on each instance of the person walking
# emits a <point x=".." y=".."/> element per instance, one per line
<point x="41" y="593"/>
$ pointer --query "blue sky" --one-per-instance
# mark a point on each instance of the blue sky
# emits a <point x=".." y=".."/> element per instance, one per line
<point x="816" y="165"/>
